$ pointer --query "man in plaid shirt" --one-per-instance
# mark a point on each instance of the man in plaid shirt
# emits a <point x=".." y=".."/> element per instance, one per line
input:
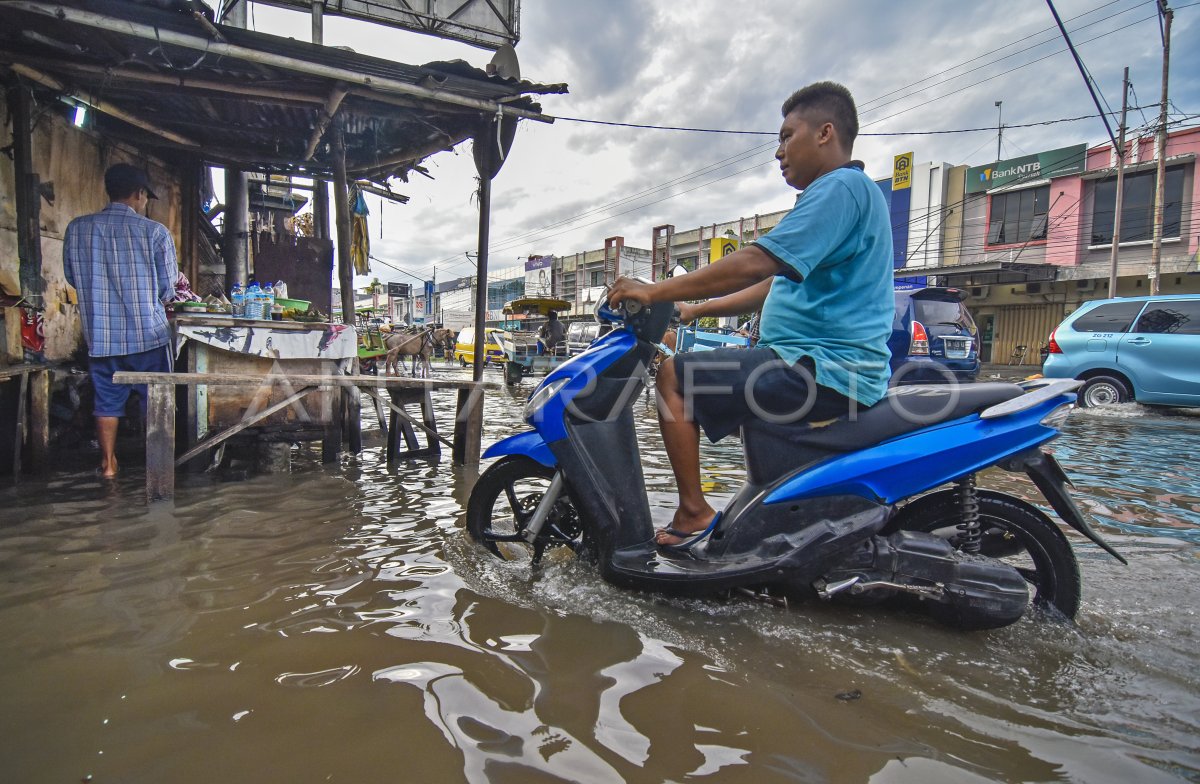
<point x="123" y="268"/>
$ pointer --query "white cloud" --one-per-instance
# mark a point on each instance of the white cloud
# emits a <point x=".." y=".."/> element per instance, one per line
<point x="913" y="66"/>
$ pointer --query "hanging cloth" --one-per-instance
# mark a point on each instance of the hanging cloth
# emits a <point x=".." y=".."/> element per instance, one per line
<point x="360" y="238"/>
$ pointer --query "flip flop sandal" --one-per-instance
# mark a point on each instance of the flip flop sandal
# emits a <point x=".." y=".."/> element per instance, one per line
<point x="690" y="540"/>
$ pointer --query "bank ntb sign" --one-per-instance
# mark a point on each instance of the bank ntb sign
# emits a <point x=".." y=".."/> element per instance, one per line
<point x="1028" y="168"/>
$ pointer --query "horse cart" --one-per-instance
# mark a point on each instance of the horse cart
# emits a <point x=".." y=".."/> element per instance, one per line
<point x="524" y="352"/>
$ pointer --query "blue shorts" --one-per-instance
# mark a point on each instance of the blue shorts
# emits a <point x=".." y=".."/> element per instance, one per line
<point x="110" y="397"/>
<point x="725" y="387"/>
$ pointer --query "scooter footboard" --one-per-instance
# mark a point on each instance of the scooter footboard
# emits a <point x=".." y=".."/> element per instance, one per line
<point x="785" y="544"/>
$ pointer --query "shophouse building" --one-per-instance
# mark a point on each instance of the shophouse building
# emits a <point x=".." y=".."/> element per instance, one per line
<point x="1031" y="238"/>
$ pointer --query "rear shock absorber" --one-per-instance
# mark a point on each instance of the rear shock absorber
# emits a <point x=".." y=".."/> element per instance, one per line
<point x="969" y="532"/>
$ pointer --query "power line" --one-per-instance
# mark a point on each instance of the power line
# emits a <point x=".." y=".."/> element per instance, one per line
<point x="510" y="241"/>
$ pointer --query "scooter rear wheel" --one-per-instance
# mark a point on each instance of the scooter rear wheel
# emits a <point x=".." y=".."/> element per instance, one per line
<point x="502" y="505"/>
<point x="1014" y="532"/>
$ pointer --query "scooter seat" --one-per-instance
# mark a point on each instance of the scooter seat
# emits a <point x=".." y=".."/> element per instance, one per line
<point x="773" y="449"/>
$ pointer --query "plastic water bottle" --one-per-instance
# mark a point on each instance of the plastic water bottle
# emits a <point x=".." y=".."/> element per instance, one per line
<point x="237" y="298"/>
<point x="254" y="301"/>
<point x="268" y="299"/>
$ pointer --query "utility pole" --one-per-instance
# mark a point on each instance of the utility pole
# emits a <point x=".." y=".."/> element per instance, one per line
<point x="1160" y="152"/>
<point x="1116" y="234"/>
<point x="999" y="127"/>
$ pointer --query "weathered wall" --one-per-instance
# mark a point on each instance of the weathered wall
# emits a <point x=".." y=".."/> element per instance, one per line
<point x="74" y="160"/>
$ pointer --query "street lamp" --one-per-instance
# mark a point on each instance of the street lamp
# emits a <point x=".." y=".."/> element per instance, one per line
<point x="999" y="127"/>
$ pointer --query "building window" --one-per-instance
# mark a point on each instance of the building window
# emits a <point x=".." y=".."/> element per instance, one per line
<point x="1137" y="207"/>
<point x="1018" y="216"/>
<point x="597" y="278"/>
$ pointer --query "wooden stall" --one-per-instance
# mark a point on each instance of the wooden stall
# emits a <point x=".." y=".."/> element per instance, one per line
<point x="167" y="84"/>
<point x="225" y="346"/>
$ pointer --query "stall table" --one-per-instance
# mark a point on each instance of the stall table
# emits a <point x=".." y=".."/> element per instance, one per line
<point x="222" y="345"/>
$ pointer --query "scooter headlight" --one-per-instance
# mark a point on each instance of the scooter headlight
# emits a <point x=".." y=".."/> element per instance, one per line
<point x="1058" y="417"/>
<point x="541" y="396"/>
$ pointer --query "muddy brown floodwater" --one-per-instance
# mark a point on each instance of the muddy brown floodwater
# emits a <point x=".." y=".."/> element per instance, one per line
<point x="335" y="624"/>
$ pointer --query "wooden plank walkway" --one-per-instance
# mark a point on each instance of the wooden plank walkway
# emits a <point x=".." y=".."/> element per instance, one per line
<point x="160" y="415"/>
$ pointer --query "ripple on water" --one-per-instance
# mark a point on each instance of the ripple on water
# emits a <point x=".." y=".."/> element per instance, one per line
<point x="248" y="599"/>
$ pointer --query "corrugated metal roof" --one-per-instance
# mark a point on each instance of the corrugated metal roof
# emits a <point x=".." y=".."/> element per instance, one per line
<point x="178" y="82"/>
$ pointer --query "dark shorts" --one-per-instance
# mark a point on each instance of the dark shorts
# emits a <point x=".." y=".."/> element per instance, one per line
<point x="726" y="387"/>
<point x="110" y="397"/>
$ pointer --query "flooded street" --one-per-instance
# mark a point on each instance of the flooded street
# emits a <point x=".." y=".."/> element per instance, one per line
<point x="335" y="624"/>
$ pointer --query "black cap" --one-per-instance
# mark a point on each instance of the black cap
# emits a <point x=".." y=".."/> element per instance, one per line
<point x="122" y="179"/>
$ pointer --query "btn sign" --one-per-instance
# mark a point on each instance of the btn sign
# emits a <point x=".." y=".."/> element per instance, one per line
<point x="902" y="171"/>
<point x="720" y="248"/>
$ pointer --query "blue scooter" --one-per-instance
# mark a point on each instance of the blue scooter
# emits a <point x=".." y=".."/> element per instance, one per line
<point x="878" y="507"/>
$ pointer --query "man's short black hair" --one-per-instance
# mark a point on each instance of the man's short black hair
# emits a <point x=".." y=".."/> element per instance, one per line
<point x="123" y="180"/>
<point x="827" y="102"/>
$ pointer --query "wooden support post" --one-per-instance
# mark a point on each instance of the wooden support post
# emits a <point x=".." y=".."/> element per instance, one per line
<point x="160" y="442"/>
<point x="341" y="207"/>
<point x="468" y="427"/>
<point x="427" y="416"/>
<point x="27" y="197"/>
<point x="331" y="444"/>
<point x="381" y="415"/>
<point x="189" y="230"/>
<point x="19" y="431"/>
<point x="39" y="420"/>
<point x="353" y="426"/>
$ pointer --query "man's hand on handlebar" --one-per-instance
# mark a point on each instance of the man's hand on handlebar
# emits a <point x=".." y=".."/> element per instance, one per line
<point x="626" y="289"/>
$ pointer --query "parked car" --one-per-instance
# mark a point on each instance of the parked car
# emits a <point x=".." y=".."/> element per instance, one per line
<point x="934" y="338"/>
<point x="580" y="335"/>
<point x="464" y="347"/>
<point x="1134" y="348"/>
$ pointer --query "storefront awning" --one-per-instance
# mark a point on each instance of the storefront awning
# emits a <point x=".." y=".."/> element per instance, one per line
<point x="1015" y="269"/>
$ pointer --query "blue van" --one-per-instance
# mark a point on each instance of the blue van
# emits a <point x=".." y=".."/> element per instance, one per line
<point x="1134" y="348"/>
<point x="934" y="338"/>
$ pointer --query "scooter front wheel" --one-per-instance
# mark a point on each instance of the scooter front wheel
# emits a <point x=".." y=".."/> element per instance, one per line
<point x="503" y="503"/>
<point x="1014" y="532"/>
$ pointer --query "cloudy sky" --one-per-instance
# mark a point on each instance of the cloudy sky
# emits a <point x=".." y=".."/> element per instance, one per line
<point x="920" y="65"/>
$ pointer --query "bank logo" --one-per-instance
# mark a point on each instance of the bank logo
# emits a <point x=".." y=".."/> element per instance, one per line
<point x="985" y="176"/>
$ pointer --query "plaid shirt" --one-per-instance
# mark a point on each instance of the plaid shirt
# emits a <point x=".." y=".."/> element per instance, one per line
<point x="123" y="268"/>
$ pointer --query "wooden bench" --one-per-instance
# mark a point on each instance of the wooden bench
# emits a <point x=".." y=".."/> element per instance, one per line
<point x="33" y="414"/>
<point x="160" y="415"/>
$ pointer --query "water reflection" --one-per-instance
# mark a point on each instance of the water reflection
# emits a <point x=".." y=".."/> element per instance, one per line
<point x="334" y="624"/>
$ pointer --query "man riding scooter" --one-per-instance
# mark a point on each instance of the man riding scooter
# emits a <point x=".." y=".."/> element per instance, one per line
<point x="823" y="279"/>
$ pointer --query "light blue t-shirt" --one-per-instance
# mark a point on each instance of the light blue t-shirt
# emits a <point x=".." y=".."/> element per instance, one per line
<point x="835" y="303"/>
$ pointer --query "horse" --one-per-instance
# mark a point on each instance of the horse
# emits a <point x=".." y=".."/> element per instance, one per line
<point x="407" y="344"/>
<point x="449" y="341"/>
<point x="418" y="345"/>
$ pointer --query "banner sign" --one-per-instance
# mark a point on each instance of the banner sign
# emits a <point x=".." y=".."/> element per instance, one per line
<point x="538" y="262"/>
<point x="721" y="247"/>
<point x="908" y="284"/>
<point x="1027" y="168"/>
<point x="428" y="297"/>
<point x="902" y="171"/>
<point x="399" y="290"/>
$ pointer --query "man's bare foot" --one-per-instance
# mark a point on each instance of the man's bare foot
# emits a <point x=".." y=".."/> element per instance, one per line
<point x="108" y="472"/>
<point x="688" y="524"/>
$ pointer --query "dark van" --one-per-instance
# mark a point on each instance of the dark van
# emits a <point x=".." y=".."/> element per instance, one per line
<point x="934" y="338"/>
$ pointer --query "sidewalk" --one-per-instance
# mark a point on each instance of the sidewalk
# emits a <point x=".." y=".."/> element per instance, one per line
<point x="993" y="372"/>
